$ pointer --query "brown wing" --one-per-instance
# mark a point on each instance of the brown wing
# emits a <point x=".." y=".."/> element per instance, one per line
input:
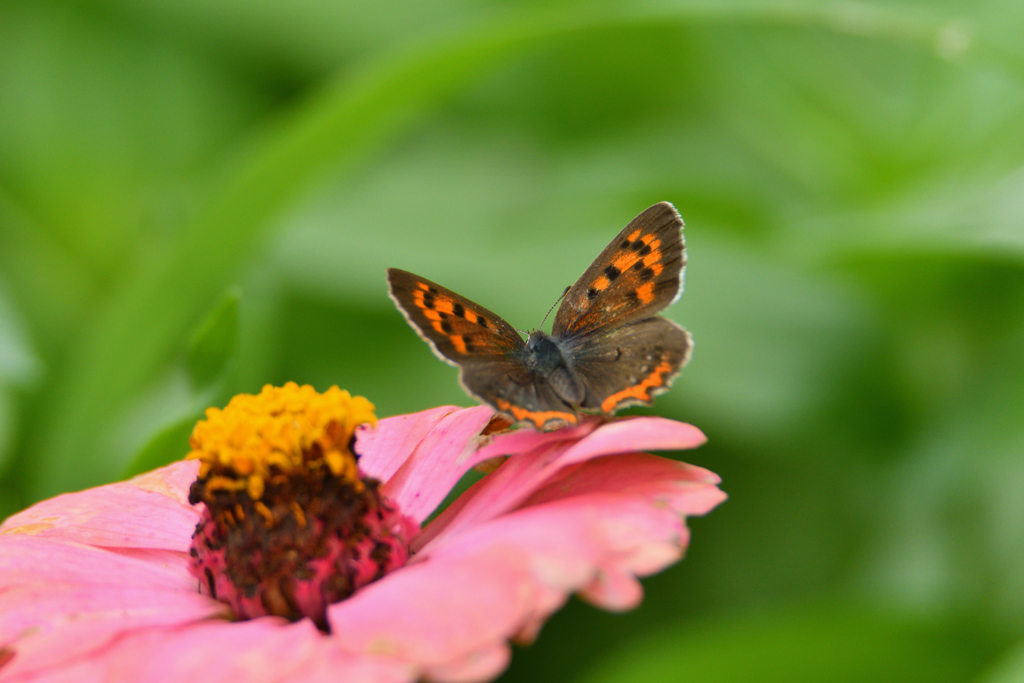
<point x="636" y="276"/>
<point x="524" y="396"/>
<point x="632" y="364"/>
<point x="487" y="350"/>
<point x="458" y="330"/>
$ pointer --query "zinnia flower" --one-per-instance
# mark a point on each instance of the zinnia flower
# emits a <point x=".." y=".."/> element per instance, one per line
<point x="132" y="582"/>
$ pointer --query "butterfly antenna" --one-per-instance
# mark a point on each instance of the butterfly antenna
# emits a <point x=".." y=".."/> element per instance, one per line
<point x="553" y="306"/>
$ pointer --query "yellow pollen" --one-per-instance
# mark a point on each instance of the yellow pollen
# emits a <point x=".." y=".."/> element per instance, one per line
<point x="265" y="513"/>
<point x="255" y="487"/>
<point x="280" y="431"/>
<point x="300" y="516"/>
<point x="218" y="483"/>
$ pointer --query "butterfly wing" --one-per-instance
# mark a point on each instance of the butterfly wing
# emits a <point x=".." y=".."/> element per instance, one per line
<point x="489" y="353"/>
<point x="623" y="354"/>
<point x="631" y="364"/>
<point x="636" y="276"/>
<point x="458" y="330"/>
<point x="523" y="396"/>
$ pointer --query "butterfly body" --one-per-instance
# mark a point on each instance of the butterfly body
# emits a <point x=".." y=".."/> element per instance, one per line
<point x="549" y="360"/>
<point x="607" y="349"/>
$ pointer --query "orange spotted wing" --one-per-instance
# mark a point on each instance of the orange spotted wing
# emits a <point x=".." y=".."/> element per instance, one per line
<point x="606" y="322"/>
<point x="457" y="329"/>
<point x="490" y="354"/>
<point x="607" y="348"/>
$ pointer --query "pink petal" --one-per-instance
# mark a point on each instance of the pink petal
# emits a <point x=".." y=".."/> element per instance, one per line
<point x="434" y="613"/>
<point x="593" y="438"/>
<point x="473" y="591"/>
<point x="386" y="447"/>
<point x="636" y="434"/>
<point x="81" y="672"/>
<point x="27" y="559"/>
<point x="520" y="476"/>
<point x="616" y="591"/>
<point x="481" y="665"/>
<point x="60" y="601"/>
<point x="430" y="450"/>
<point x="525" y="440"/>
<point x="149" y="511"/>
<point x="689" y="489"/>
<point x="575" y="541"/>
<point x="259" y="651"/>
<point x="493" y="494"/>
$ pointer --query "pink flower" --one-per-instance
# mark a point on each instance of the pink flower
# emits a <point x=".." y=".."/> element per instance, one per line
<point x="96" y="585"/>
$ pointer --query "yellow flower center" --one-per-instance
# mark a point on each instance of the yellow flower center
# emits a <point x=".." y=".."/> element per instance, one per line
<point x="278" y="432"/>
<point x="288" y="525"/>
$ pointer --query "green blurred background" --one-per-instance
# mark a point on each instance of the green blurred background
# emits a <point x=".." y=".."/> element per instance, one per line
<point x="199" y="198"/>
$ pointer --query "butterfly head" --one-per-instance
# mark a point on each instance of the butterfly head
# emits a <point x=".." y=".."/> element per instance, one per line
<point x="548" y="359"/>
<point x="543" y="353"/>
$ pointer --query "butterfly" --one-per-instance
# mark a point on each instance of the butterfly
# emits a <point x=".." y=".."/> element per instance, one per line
<point x="607" y="348"/>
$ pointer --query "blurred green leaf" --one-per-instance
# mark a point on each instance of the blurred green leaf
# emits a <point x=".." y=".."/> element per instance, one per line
<point x="8" y="425"/>
<point x="166" y="446"/>
<point x="214" y="341"/>
<point x="334" y="126"/>
<point x="19" y="363"/>
<point x="20" y="367"/>
<point x="829" y="645"/>
<point x="105" y="130"/>
<point x="1008" y="669"/>
<point x="952" y="540"/>
<point x="51" y="286"/>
